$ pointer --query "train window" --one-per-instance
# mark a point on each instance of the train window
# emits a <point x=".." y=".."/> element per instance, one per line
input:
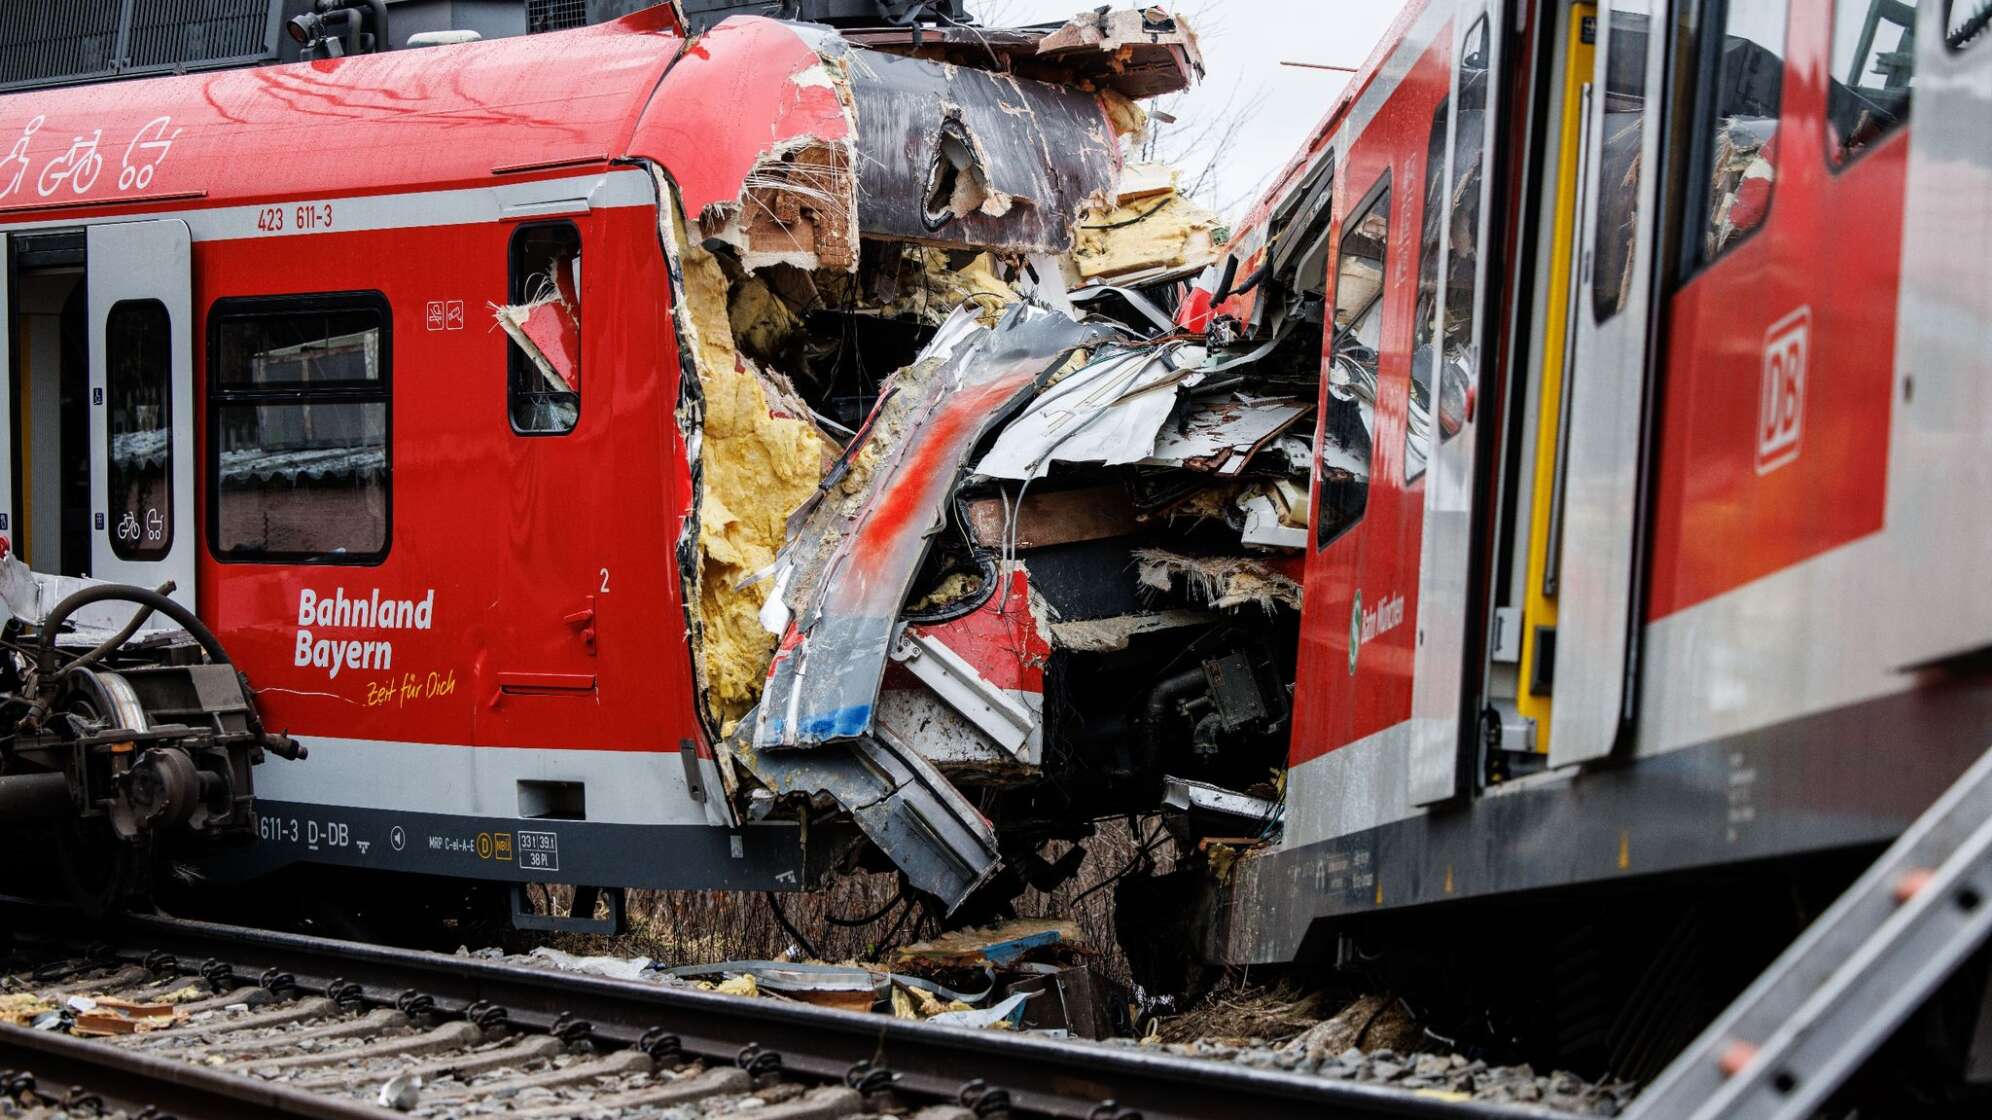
<point x="1456" y="355"/>
<point x="1623" y="129"/>
<point x="138" y="396"/>
<point x="543" y="320"/>
<point x="298" y="428"/>
<point x="1350" y="417"/>
<point x="1418" y="410"/>
<point x="1965" y="22"/>
<point x="1873" y="68"/>
<point x="1740" y="155"/>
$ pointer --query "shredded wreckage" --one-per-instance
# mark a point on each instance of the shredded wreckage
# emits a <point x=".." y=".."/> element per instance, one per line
<point x="985" y="546"/>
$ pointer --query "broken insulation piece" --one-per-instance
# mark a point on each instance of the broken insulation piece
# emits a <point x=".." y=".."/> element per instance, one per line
<point x="796" y="210"/>
<point x="1219" y="582"/>
<point x="1151" y="227"/>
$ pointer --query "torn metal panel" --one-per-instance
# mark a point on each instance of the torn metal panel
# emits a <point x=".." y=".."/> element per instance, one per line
<point x="1107" y="635"/>
<point x="1002" y="646"/>
<point x="29" y="596"/>
<point x="854" y="550"/>
<point x="918" y="719"/>
<point x="1223" y="435"/>
<point x="1210" y="810"/>
<point x="1150" y="50"/>
<point x="753" y="106"/>
<point x="1004" y="720"/>
<point x="1135" y="54"/>
<point x="1107" y="411"/>
<point x="957" y="156"/>
<point x="900" y="802"/>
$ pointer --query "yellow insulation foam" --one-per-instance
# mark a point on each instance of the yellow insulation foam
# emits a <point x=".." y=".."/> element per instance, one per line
<point x="1161" y="231"/>
<point x="757" y="467"/>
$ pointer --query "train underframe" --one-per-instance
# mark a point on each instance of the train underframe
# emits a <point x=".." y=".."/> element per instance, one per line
<point x="130" y="737"/>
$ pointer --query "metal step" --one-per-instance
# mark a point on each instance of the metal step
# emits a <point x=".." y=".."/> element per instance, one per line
<point x="1850" y="979"/>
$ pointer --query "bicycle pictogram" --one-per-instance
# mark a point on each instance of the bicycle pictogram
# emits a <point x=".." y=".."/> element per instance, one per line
<point x="79" y="166"/>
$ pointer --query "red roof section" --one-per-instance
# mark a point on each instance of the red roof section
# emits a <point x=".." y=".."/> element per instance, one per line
<point x="411" y="119"/>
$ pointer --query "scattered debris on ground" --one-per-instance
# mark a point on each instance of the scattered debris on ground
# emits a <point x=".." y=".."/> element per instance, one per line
<point x="1025" y="974"/>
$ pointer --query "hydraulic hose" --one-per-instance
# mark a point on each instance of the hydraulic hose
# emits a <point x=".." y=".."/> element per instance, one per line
<point x="111" y="644"/>
<point x="118" y="592"/>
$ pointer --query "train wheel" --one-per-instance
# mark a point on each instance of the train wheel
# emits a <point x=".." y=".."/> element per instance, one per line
<point x="97" y="869"/>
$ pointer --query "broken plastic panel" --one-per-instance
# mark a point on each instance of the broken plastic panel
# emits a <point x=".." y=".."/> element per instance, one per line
<point x="1223" y="435"/>
<point x="1108" y="411"/>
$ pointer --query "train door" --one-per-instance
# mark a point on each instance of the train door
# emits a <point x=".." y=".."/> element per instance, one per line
<point x="1601" y="480"/>
<point x="139" y="279"/>
<point x="1446" y="383"/>
<point x="553" y="582"/>
<point x="1940" y="449"/>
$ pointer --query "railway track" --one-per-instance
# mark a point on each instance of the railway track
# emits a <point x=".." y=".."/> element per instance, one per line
<point x="277" y="1024"/>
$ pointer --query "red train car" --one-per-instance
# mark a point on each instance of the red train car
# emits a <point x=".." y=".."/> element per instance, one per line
<point x="1647" y="577"/>
<point x="307" y="341"/>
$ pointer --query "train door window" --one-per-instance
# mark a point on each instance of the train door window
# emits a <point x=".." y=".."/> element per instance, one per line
<point x="1739" y="137"/>
<point x="1623" y="129"/>
<point x="543" y="321"/>
<point x="1455" y="352"/>
<point x="1418" y="409"/>
<point x="298" y="428"/>
<point x="1350" y="417"/>
<point x="138" y="397"/>
<point x="1874" y="66"/>
<point x="1965" y="22"/>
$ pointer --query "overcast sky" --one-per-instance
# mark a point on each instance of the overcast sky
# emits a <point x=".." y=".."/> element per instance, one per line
<point x="1244" y="42"/>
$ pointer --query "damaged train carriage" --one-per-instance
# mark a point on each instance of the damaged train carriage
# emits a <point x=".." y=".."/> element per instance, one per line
<point x="1046" y="572"/>
<point x="894" y="622"/>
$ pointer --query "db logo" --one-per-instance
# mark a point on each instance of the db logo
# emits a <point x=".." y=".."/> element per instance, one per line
<point x="1781" y="402"/>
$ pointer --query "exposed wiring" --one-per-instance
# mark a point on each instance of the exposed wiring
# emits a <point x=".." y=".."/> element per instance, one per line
<point x="1141" y="217"/>
<point x="794" y="934"/>
<point x="852" y="923"/>
<point x="1140" y="857"/>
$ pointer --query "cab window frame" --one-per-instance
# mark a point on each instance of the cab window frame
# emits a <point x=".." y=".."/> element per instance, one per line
<point x="1428" y="330"/>
<point x="1694" y="256"/>
<point x="221" y="395"/>
<point x="1378" y="195"/>
<point x="518" y="364"/>
<point x="1839" y="159"/>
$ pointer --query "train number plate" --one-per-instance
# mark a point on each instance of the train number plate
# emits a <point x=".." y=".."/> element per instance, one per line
<point x="539" y="851"/>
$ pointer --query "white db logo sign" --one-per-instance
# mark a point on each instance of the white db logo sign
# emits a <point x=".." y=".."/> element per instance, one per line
<point x="1781" y="404"/>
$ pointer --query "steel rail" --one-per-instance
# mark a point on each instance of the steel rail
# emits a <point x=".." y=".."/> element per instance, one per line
<point x="132" y="1081"/>
<point x="1042" y="1077"/>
